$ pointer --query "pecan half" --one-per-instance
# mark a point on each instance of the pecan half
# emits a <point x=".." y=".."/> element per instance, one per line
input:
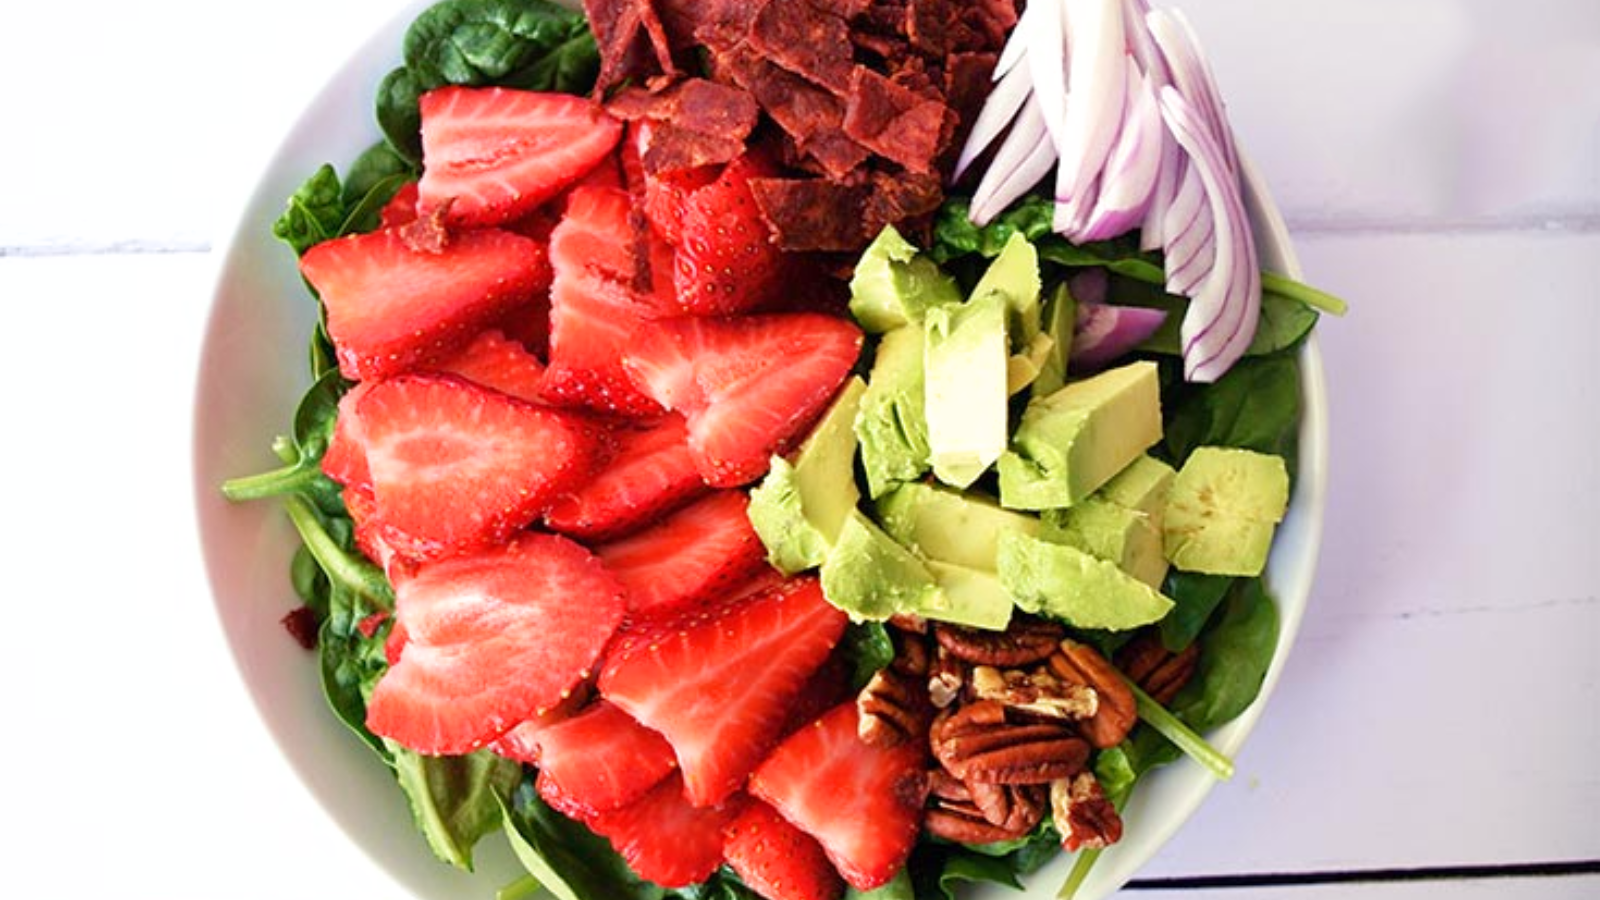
<point x="894" y="708"/>
<point x="1026" y="641"/>
<point x="1083" y="814"/>
<point x="979" y="813"/>
<point x="1158" y="671"/>
<point x="977" y="742"/>
<point x="1116" y="711"/>
<point x="1039" y="692"/>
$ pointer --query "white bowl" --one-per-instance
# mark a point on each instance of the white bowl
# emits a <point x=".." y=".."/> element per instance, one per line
<point x="253" y="372"/>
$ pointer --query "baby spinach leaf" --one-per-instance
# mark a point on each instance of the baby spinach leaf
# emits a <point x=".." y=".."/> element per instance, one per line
<point x="314" y="213"/>
<point x="527" y="44"/>
<point x="897" y="888"/>
<point x="1256" y="405"/>
<point x="455" y="800"/>
<point x="302" y="475"/>
<point x="572" y="862"/>
<point x="351" y="664"/>
<point x="1195" y="596"/>
<point x="1234" y="656"/>
<point x="868" y="648"/>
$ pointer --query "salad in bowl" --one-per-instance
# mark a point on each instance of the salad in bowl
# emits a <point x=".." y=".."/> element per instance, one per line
<point x="776" y="450"/>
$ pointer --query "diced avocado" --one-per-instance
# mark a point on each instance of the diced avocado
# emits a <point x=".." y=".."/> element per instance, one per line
<point x="893" y="284"/>
<point x="1060" y="319"/>
<point x="965" y="391"/>
<point x="1083" y="590"/>
<point x="1224" y="507"/>
<point x="1071" y="442"/>
<point x="950" y="526"/>
<point x="1014" y="276"/>
<point x="972" y="597"/>
<point x="1024" y="366"/>
<point x="799" y="507"/>
<point x="1143" y="485"/>
<point x="870" y="576"/>
<point x="1113" y="533"/>
<point x="891" y="426"/>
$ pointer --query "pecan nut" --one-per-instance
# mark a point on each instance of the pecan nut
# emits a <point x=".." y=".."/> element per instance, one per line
<point x="977" y="813"/>
<point x="1039" y="692"/>
<point x="894" y="708"/>
<point x="1083" y="815"/>
<point x="977" y="742"/>
<point x="1158" y="671"/>
<point x="1025" y="642"/>
<point x="1116" y="711"/>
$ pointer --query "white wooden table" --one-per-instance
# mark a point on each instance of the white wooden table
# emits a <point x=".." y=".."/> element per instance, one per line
<point x="1437" y="733"/>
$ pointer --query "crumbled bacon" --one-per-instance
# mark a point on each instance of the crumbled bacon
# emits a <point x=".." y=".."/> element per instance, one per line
<point x="868" y="98"/>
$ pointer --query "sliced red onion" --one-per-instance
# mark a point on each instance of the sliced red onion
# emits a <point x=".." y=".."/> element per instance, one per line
<point x="1190" y="234"/>
<point x="1001" y="106"/>
<point x="1131" y="171"/>
<point x="1044" y="26"/>
<point x="1022" y="161"/>
<point x="1190" y="74"/>
<point x="1104" y="333"/>
<point x="1096" y="92"/>
<point x="1222" y="314"/>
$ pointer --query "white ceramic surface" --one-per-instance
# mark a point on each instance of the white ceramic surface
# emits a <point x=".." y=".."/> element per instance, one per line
<point x="253" y="372"/>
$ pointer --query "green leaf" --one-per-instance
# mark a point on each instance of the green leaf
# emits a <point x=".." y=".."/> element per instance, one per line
<point x="1256" y="406"/>
<point x="398" y="116"/>
<point x="455" y="800"/>
<point x="868" y="648"/>
<point x="1234" y="656"/>
<point x="350" y="665"/>
<point x="570" y="861"/>
<point x="314" y="213"/>
<point x="314" y="419"/>
<point x="1195" y="596"/>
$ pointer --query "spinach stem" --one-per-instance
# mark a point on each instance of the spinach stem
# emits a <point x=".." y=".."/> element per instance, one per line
<point x="290" y="479"/>
<point x="1321" y="301"/>
<point x="1080" y="872"/>
<point x="521" y="889"/>
<point x="1173" y="729"/>
<point x="361" y="575"/>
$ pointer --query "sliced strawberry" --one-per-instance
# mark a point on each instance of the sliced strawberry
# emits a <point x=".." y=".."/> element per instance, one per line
<point x="362" y="506"/>
<point x="594" y="309"/>
<point x="492" y="154"/>
<point x="862" y="803"/>
<point x="492" y="639"/>
<point x="664" y="838"/>
<point x="345" y="459"/>
<point x="650" y="474"/>
<point x="599" y="760"/>
<point x="523" y="741"/>
<point x="749" y="386"/>
<point x="776" y="859"/>
<point x="696" y="554"/>
<point x="456" y="466"/>
<point x="726" y="262"/>
<point x="666" y="197"/>
<point x="401" y="208"/>
<point x="391" y="306"/>
<point x="718" y="680"/>
<point x="495" y="361"/>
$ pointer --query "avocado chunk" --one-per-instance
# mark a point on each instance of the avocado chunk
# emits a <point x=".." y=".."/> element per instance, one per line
<point x="1014" y="276"/>
<point x="965" y="367"/>
<point x="800" y="506"/>
<point x="966" y="596"/>
<point x="1081" y="589"/>
<point x="1073" y="441"/>
<point x="870" y="576"/>
<point x="1224" y="508"/>
<point x="891" y="426"/>
<point x="893" y="284"/>
<point x="1121" y="522"/>
<point x="960" y="528"/>
<point x="1059" y="320"/>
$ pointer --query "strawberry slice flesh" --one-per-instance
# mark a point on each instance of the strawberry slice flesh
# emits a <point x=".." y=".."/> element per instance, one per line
<point x="599" y="760"/>
<point x="456" y="466"/>
<point x="862" y="803"/>
<point x="749" y="386"/>
<point x="496" y="361"/>
<point x="491" y="640"/>
<point x="663" y="837"/>
<point x="391" y="306"/>
<point x="697" y="553"/>
<point x="718" y="680"/>
<point x="726" y="261"/>
<point x="651" y="473"/>
<point x="776" y="859"/>
<point x="493" y="154"/>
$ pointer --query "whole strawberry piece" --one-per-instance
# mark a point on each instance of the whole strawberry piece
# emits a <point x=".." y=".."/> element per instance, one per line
<point x="491" y="640"/>
<point x="456" y="466"/>
<point x="776" y="859"/>
<point x="718" y="680"/>
<point x="862" y="803"/>
<point x="391" y="305"/>
<point x="493" y="154"/>
<point x="726" y="260"/>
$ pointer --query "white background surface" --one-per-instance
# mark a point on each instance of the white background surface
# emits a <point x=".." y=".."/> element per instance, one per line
<point x="1438" y="162"/>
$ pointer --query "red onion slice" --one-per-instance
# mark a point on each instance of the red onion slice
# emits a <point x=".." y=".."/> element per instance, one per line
<point x="1022" y="161"/>
<point x="1096" y="92"/>
<point x="1131" y="170"/>
<point x="1104" y="333"/>
<point x="1001" y="106"/>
